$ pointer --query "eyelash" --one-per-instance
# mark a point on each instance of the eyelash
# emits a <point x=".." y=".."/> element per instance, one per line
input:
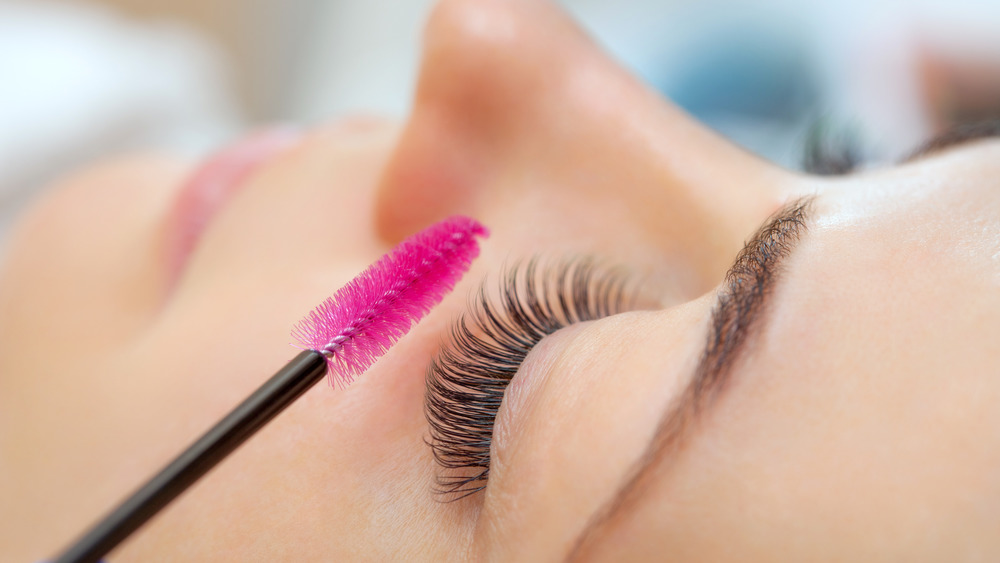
<point x="466" y="382"/>
<point x="831" y="149"/>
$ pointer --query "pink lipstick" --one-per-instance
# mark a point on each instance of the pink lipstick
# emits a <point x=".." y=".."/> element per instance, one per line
<point x="213" y="184"/>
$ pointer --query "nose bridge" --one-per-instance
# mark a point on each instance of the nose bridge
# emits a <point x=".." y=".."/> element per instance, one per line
<point x="516" y="108"/>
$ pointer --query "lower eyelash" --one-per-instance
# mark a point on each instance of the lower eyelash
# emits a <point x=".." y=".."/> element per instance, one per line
<point x="466" y="382"/>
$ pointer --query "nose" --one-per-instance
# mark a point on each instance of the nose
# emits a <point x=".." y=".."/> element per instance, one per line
<point x="518" y="117"/>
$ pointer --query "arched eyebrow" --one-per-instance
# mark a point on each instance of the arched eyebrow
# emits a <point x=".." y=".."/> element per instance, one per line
<point x="955" y="136"/>
<point x="736" y="317"/>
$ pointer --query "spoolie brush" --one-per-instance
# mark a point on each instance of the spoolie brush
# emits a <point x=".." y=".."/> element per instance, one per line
<point x="345" y="335"/>
<point x="366" y="316"/>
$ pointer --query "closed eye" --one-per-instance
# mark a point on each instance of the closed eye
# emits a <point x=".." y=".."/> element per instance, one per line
<point x="487" y="344"/>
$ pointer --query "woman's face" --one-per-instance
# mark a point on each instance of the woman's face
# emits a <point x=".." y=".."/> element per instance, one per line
<point x="833" y="398"/>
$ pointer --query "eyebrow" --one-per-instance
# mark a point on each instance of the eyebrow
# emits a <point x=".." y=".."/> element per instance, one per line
<point x="736" y="317"/>
<point x="954" y="136"/>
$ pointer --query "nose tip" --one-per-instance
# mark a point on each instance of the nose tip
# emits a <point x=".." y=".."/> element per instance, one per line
<point x="485" y="72"/>
<point x="518" y="113"/>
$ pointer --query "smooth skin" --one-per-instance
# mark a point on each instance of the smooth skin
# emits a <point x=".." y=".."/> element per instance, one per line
<point x="862" y="424"/>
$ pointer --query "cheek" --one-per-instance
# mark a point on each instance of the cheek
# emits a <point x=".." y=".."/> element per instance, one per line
<point x="84" y="266"/>
<point x="80" y="279"/>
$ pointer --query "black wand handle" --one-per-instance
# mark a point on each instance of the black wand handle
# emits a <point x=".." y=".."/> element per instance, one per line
<point x="300" y="374"/>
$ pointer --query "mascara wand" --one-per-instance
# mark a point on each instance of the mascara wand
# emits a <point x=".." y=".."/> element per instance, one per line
<point x="344" y="335"/>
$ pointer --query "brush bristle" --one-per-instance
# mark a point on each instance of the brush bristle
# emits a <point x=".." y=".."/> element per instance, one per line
<point x="359" y="323"/>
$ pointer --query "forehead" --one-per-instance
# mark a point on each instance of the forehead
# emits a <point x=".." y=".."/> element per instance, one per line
<point x="920" y="240"/>
<point x="897" y="281"/>
<point x="869" y="390"/>
<point x="947" y="204"/>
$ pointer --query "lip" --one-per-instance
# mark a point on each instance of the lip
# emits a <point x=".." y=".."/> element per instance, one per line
<point x="210" y="186"/>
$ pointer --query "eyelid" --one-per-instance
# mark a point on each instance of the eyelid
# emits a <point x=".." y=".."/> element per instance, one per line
<point x="592" y="413"/>
<point x="714" y="368"/>
<point x="523" y="387"/>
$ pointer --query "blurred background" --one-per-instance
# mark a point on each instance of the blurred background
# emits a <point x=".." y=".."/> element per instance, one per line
<point x="80" y="80"/>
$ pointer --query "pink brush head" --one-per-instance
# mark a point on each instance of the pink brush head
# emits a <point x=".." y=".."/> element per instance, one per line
<point x="364" y="318"/>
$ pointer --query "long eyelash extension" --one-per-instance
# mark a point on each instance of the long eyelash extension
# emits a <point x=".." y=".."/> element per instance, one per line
<point x="466" y="382"/>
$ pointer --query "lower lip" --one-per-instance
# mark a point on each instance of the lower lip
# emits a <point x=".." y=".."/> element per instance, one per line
<point x="210" y="186"/>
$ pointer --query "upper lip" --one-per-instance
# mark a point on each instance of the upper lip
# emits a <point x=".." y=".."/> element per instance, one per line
<point x="210" y="186"/>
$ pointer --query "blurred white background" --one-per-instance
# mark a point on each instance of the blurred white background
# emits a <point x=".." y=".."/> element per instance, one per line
<point x="83" y="80"/>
